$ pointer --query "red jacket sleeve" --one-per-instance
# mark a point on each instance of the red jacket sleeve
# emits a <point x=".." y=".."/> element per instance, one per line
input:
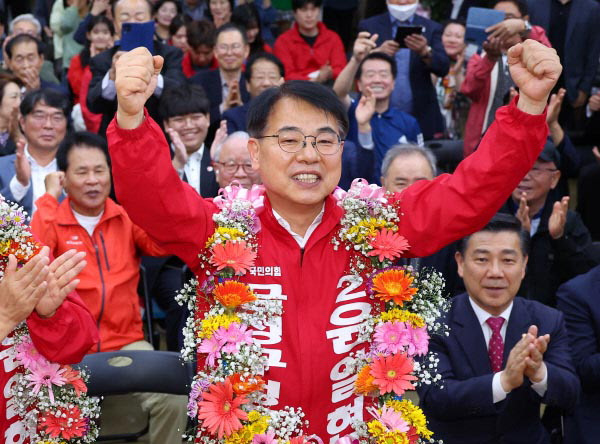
<point x="438" y="212"/>
<point x="74" y="76"/>
<point x="538" y="33"/>
<point x="479" y="70"/>
<point x="282" y="51"/>
<point x="165" y="207"/>
<point x="146" y="245"/>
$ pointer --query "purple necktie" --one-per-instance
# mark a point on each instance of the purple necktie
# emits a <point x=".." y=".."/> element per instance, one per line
<point x="496" y="348"/>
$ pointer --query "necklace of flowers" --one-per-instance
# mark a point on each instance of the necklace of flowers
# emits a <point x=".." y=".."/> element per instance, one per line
<point x="227" y="395"/>
<point x="49" y="398"/>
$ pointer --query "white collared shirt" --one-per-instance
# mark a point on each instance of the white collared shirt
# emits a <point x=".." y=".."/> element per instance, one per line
<point x="193" y="168"/>
<point x="38" y="174"/>
<point x="482" y="316"/>
<point x="301" y="240"/>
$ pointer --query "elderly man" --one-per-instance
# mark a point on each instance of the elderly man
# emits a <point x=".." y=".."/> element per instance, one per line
<point x="300" y="216"/>
<point x="504" y="355"/>
<point x="102" y="96"/>
<point x="232" y="161"/>
<point x="44" y="124"/>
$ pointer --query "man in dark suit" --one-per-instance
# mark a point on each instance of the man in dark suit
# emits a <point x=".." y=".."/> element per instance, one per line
<point x="578" y="300"/>
<point x="572" y="27"/>
<point x="102" y="95"/>
<point x="504" y="355"/>
<point x="225" y="87"/>
<point x="422" y="56"/>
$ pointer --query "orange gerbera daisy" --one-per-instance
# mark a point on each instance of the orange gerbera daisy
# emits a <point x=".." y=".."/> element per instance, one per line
<point x="73" y="377"/>
<point x="393" y="373"/>
<point x="393" y="285"/>
<point x="387" y="245"/>
<point x="236" y="255"/>
<point x="364" y="382"/>
<point x="219" y="411"/>
<point x="233" y="294"/>
<point x="245" y="387"/>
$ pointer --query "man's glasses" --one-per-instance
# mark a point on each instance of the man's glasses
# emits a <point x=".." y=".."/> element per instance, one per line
<point x="232" y="167"/>
<point x="41" y="117"/>
<point x="292" y="141"/>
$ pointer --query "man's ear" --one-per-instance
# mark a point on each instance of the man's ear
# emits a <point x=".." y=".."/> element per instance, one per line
<point x="459" y="262"/>
<point x="555" y="179"/>
<point x="254" y="151"/>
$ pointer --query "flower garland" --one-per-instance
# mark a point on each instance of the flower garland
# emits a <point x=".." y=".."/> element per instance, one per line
<point x="227" y="395"/>
<point x="50" y="398"/>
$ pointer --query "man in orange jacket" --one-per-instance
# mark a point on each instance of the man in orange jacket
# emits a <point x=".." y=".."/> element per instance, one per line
<point x="88" y="220"/>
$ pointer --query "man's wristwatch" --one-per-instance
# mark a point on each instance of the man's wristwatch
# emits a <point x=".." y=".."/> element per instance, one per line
<point x="527" y="30"/>
<point x="427" y="53"/>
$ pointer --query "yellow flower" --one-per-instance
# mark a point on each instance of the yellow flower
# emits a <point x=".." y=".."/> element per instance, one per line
<point x="376" y="428"/>
<point x="366" y="228"/>
<point x="224" y="234"/>
<point x="212" y="324"/>
<point x="260" y="426"/>
<point x="383" y="436"/>
<point x="4" y="246"/>
<point x="241" y="436"/>
<point x="253" y="416"/>
<point x="396" y="314"/>
<point x="413" y="415"/>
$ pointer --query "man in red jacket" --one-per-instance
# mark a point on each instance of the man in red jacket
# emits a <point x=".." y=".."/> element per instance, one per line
<point x="322" y="303"/>
<point x="310" y="51"/>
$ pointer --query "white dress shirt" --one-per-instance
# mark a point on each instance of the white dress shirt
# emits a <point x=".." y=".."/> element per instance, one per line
<point x="302" y="240"/>
<point x="482" y="316"/>
<point x="38" y="174"/>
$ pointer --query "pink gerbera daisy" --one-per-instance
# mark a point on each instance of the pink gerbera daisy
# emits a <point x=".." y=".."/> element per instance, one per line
<point x="265" y="438"/>
<point x="212" y="347"/>
<point x="235" y="255"/>
<point x="390" y="418"/>
<point x="233" y="336"/>
<point x="393" y="373"/>
<point x="219" y="411"/>
<point x="28" y="354"/>
<point x="391" y="337"/>
<point x="387" y="245"/>
<point x="419" y="341"/>
<point x="46" y="375"/>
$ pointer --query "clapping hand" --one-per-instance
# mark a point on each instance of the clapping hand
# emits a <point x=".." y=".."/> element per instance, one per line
<point x="558" y="218"/>
<point x="181" y="156"/>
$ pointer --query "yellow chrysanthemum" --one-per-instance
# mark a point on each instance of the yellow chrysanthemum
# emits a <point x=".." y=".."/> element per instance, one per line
<point x="253" y="416"/>
<point x="396" y="314"/>
<point x="382" y="436"/>
<point x="413" y="415"/>
<point x="260" y="426"/>
<point x="225" y="234"/>
<point x="366" y="228"/>
<point x="241" y="436"/>
<point x="212" y="324"/>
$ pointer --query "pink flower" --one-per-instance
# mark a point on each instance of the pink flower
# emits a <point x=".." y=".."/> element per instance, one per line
<point x="265" y="438"/>
<point x="393" y="373"/>
<point x="387" y="245"/>
<point x="419" y="341"/>
<point x="233" y="336"/>
<point x="212" y="347"/>
<point x="220" y="412"/>
<point x="28" y="355"/>
<point x="391" y="337"/>
<point x="391" y="419"/>
<point x="227" y="195"/>
<point x="361" y="189"/>
<point x="46" y="374"/>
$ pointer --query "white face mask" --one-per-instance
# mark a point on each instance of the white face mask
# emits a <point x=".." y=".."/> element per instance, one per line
<point x="402" y="12"/>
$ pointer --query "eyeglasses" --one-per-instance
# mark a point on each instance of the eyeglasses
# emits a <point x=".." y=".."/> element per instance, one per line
<point x="292" y="141"/>
<point x="232" y="167"/>
<point x="537" y="171"/>
<point x="41" y="117"/>
<point x="235" y="47"/>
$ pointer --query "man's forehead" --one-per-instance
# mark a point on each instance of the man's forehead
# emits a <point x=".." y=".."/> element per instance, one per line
<point x="24" y="48"/>
<point x="281" y="117"/>
<point x="494" y="241"/>
<point x="235" y="149"/>
<point x="132" y="6"/>
<point x="42" y="106"/>
<point x="25" y="26"/>
<point x="232" y="35"/>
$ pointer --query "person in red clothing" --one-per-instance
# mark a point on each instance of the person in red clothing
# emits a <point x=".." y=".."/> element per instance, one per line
<point x="89" y="221"/>
<point x="201" y="39"/>
<point x="308" y="348"/>
<point x="487" y="81"/>
<point x="310" y="51"/>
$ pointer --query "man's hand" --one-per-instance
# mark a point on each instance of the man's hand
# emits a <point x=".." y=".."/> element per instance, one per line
<point x="554" y="107"/>
<point x="535" y="369"/>
<point x="512" y="375"/>
<point x="136" y="77"/>
<point x="99" y="6"/>
<point x="558" y="218"/>
<point x="220" y="137"/>
<point x="112" y="71"/>
<point x="325" y="73"/>
<point x="22" y="165"/>
<point x="234" y="97"/>
<point x="181" y="156"/>
<point x="365" y="110"/>
<point x="594" y="102"/>
<point x="580" y="100"/>
<point x="363" y="45"/>
<point x="61" y="281"/>
<point x="506" y="28"/>
<point x="54" y="183"/>
<point x="596" y="153"/>
<point x="535" y="70"/>
<point x="416" y="43"/>
<point x="389" y="47"/>
<point x="493" y="48"/>
<point x="31" y="78"/>
<point x="21" y="290"/>
<point x="523" y="213"/>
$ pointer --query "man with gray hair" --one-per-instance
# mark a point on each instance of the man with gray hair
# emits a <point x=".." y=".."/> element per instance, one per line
<point x="406" y="164"/>
<point x="232" y="161"/>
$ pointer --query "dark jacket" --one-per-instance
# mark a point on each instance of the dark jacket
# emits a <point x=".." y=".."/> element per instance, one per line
<point x="425" y="105"/>
<point x="462" y="410"/>
<point x="236" y="118"/>
<point x="101" y="64"/>
<point x="578" y="299"/>
<point x="554" y="261"/>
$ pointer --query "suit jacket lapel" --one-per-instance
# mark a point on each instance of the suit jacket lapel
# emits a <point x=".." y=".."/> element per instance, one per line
<point x="205" y="174"/>
<point x="518" y="323"/>
<point x="469" y="335"/>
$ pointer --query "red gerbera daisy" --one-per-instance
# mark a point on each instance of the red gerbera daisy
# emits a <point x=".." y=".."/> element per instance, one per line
<point x="219" y="411"/>
<point x="235" y="255"/>
<point x="387" y="245"/>
<point x="232" y="294"/>
<point x="393" y="373"/>
<point x="73" y="377"/>
<point x="64" y="423"/>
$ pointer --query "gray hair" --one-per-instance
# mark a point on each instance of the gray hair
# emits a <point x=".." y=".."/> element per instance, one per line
<point x="25" y="18"/>
<point x="242" y="135"/>
<point x="407" y="149"/>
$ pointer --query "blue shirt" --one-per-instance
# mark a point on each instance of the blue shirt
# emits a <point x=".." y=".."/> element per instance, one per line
<point x="402" y="96"/>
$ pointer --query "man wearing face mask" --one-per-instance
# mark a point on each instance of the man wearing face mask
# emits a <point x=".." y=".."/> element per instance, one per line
<point x="419" y="57"/>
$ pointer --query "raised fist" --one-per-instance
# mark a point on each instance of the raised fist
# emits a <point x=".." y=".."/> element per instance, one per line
<point x="535" y="69"/>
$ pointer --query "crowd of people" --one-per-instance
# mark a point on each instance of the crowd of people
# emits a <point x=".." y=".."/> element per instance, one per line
<point x="224" y="86"/>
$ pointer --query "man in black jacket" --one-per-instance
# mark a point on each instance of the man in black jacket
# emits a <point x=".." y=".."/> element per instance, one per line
<point x="102" y="95"/>
<point x="561" y="245"/>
